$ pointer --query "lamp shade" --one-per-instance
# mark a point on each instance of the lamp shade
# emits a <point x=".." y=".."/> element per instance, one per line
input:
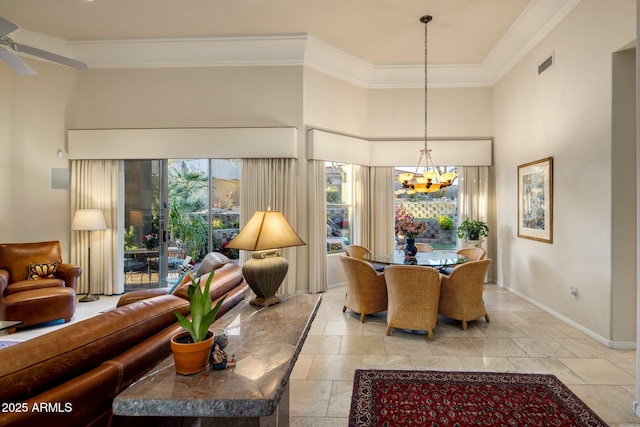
<point x="266" y="230"/>
<point x="89" y="220"/>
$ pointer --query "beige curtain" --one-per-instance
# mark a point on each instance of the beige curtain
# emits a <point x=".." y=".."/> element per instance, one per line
<point x="473" y="190"/>
<point x="271" y="183"/>
<point x="94" y="185"/>
<point x="361" y="213"/>
<point x="381" y="209"/>
<point x="317" y="226"/>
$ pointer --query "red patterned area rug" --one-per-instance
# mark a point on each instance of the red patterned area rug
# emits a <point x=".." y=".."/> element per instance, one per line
<point x="449" y="398"/>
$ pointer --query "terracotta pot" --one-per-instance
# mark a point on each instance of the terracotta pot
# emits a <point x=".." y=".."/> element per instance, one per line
<point x="191" y="358"/>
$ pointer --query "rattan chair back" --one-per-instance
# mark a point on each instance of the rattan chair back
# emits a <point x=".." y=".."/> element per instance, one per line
<point x="414" y="292"/>
<point x="461" y="292"/>
<point x="366" y="288"/>
<point x="473" y="253"/>
<point x="356" y="251"/>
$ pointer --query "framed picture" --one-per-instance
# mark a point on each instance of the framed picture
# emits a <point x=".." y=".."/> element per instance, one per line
<point x="535" y="200"/>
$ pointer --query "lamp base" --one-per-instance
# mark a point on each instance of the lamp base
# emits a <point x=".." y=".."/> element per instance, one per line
<point x="89" y="298"/>
<point x="264" y="274"/>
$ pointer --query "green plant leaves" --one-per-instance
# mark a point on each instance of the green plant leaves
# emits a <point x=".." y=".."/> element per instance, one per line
<point x="202" y="315"/>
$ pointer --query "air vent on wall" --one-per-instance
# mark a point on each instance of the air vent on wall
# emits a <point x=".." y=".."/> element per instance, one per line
<point x="545" y="64"/>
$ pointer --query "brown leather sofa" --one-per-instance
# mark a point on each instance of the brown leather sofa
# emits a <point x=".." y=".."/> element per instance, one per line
<point x="35" y="301"/>
<point x="74" y="373"/>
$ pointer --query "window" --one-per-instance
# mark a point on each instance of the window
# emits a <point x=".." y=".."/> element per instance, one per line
<point x="439" y="210"/>
<point x="339" y="191"/>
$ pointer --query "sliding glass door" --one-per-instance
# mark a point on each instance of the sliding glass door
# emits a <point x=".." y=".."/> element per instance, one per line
<point x="176" y="211"/>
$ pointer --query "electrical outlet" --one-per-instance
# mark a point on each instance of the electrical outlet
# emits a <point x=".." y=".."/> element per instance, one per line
<point x="574" y="293"/>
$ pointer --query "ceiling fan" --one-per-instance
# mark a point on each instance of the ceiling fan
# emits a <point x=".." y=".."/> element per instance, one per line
<point x="7" y="46"/>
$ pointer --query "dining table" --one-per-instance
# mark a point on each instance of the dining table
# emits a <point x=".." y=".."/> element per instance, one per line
<point x="437" y="259"/>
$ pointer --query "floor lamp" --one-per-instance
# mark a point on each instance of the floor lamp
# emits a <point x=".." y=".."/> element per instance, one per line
<point x="88" y="220"/>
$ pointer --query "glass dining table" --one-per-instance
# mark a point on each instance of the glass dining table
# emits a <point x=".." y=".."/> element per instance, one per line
<point x="436" y="259"/>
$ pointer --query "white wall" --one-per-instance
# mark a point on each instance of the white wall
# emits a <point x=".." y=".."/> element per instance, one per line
<point x="32" y="129"/>
<point x="565" y="113"/>
<point x="453" y="113"/>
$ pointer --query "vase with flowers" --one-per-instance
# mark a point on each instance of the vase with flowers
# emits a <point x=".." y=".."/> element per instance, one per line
<point x="150" y="241"/>
<point x="409" y="227"/>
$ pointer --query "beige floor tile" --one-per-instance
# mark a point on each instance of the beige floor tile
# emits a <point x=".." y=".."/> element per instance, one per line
<point x="386" y="362"/>
<point x="321" y="344"/>
<point x="445" y="346"/>
<point x="343" y="327"/>
<point x="546" y="365"/>
<point x="590" y="349"/>
<point x="611" y="403"/>
<point x="309" y="398"/>
<point x="504" y="330"/>
<point x="627" y="365"/>
<point x="499" y="316"/>
<point x="453" y="328"/>
<point x="540" y="330"/>
<point x="340" y="400"/>
<point x="598" y="371"/>
<point x="302" y="366"/>
<point x="374" y="327"/>
<point x="437" y="363"/>
<point x="362" y="345"/>
<point x="317" y="327"/>
<point x="334" y="367"/>
<point x="404" y="343"/>
<point x="535" y="316"/>
<point x="488" y="363"/>
<point x="571" y="332"/>
<point x="543" y="347"/>
<point x="496" y="346"/>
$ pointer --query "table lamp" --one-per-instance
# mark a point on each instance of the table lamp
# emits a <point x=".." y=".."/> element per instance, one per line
<point x="88" y="220"/>
<point x="265" y="234"/>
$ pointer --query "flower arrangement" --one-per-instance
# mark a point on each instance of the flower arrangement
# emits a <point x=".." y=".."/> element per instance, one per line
<point x="406" y="224"/>
<point x="150" y="240"/>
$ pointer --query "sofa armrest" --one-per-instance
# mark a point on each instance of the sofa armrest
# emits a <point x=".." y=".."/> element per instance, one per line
<point x="142" y="294"/>
<point x="69" y="273"/>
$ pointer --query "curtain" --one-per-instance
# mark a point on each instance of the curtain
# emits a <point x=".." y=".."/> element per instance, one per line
<point x="361" y="213"/>
<point x="473" y="189"/>
<point x="271" y="183"/>
<point x="94" y="185"/>
<point x="381" y="209"/>
<point x="317" y="226"/>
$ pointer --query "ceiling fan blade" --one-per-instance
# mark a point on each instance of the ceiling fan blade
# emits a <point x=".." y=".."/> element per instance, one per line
<point x="49" y="56"/>
<point x="16" y="63"/>
<point x="7" y="27"/>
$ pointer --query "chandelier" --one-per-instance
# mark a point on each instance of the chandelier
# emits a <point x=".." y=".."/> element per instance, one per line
<point x="430" y="180"/>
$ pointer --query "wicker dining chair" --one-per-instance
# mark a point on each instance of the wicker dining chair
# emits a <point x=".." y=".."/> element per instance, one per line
<point x="461" y="292"/>
<point x="366" y="288"/>
<point x="356" y="251"/>
<point x="414" y="292"/>
<point x="422" y="247"/>
<point x="473" y="253"/>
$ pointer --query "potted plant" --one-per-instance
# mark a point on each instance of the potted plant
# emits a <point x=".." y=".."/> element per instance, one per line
<point x="191" y="348"/>
<point x="472" y="230"/>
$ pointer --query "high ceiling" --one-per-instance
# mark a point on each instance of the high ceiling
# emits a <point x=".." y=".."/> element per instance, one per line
<point x="377" y="32"/>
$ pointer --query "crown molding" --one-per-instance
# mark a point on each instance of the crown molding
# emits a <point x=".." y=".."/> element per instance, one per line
<point x="540" y="17"/>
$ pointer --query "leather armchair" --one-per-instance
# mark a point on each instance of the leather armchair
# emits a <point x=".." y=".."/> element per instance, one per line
<point x="35" y="301"/>
<point x="15" y="259"/>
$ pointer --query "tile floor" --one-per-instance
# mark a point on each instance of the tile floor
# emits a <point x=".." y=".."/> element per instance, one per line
<point x="520" y="337"/>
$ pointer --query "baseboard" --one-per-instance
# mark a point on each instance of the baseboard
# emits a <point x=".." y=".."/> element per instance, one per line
<point x="617" y="345"/>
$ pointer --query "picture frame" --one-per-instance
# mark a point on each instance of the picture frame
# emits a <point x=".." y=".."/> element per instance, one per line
<point x="535" y="200"/>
